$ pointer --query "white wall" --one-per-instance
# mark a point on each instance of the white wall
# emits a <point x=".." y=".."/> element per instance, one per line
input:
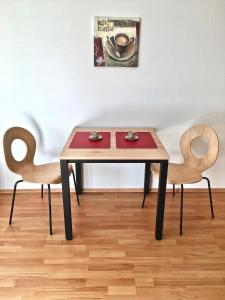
<point x="47" y="76"/>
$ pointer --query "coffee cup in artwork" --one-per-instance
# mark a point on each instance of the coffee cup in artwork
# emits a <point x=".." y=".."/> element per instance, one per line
<point x="122" y="41"/>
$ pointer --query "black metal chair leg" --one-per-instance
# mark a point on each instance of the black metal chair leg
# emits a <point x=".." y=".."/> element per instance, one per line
<point x="13" y="201"/>
<point x="143" y="202"/>
<point x="49" y="209"/>
<point x="210" y="196"/>
<point x="173" y="189"/>
<point x="181" y="209"/>
<point x="75" y="185"/>
<point x="42" y="190"/>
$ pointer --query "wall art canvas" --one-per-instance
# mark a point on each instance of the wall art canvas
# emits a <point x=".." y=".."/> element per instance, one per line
<point x="116" y="41"/>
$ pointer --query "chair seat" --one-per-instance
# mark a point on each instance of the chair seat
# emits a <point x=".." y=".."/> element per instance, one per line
<point x="180" y="173"/>
<point x="47" y="173"/>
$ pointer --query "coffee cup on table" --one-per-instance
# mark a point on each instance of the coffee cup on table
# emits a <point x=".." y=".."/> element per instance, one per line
<point x="122" y="41"/>
<point x="131" y="135"/>
<point x="94" y="135"/>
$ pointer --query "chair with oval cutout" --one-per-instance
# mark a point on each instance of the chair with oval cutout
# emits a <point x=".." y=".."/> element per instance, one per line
<point x="43" y="174"/>
<point x="190" y="171"/>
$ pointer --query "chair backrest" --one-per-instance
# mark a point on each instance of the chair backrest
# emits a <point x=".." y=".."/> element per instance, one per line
<point x="23" y="134"/>
<point x="208" y="134"/>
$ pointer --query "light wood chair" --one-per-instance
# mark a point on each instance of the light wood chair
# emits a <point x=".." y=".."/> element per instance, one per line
<point x="43" y="174"/>
<point x="190" y="171"/>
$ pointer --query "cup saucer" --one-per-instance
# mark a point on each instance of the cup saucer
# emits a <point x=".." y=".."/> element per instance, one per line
<point x="125" y="55"/>
<point x="135" y="138"/>
<point x="95" y="138"/>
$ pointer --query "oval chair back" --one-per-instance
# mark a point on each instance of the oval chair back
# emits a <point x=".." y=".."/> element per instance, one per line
<point x="209" y="135"/>
<point x="11" y="135"/>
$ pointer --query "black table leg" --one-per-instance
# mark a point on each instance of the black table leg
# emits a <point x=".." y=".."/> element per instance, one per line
<point x="66" y="199"/>
<point x="161" y="199"/>
<point x="148" y="174"/>
<point x="79" y="177"/>
<point x="147" y="178"/>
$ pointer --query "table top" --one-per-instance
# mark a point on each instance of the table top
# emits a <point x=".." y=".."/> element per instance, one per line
<point x="114" y="153"/>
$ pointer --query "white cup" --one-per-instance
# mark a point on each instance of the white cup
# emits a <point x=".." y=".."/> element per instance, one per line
<point x="94" y="134"/>
<point x="131" y="134"/>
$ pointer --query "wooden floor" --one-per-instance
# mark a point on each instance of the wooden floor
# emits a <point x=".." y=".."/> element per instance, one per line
<point x="114" y="254"/>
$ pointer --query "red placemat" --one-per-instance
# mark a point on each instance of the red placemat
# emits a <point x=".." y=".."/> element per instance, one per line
<point x="145" y="141"/>
<point x="81" y="140"/>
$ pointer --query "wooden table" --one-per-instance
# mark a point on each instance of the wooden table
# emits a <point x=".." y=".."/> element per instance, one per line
<point x="114" y="155"/>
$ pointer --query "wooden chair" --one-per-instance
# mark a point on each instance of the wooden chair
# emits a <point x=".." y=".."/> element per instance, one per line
<point x="43" y="174"/>
<point x="190" y="171"/>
